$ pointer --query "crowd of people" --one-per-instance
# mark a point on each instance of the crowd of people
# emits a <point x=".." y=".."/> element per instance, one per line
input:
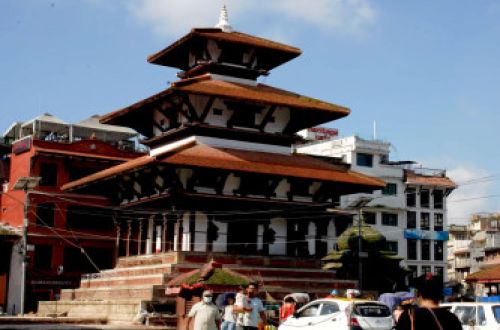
<point x="243" y="311"/>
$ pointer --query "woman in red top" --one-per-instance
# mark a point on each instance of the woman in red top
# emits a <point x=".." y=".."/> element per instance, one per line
<point x="287" y="309"/>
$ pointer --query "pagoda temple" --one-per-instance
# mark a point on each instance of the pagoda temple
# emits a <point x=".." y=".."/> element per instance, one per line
<point x="221" y="180"/>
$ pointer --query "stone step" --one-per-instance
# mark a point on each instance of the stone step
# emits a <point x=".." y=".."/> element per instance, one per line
<point x="137" y="270"/>
<point x="252" y="260"/>
<point x="138" y="292"/>
<point x="116" y="310"/>
<point x="144" y="260"/>
<point x="112" y="281"/>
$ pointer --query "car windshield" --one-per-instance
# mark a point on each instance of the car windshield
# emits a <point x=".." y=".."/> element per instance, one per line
<point x="496" y="312"/>
<point x="371" y="310"/>
<point x="466" y="314"/>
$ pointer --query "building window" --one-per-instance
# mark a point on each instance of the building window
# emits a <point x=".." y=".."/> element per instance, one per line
<point x="370" y="218"/>
<point x="389" y="219"/>
<point x="411" y="197"/>
<point x="438" y="199"/>
<point x="390" y="189"/>
<point x="45" y="214"/>
<point x="43" y="257"/>
<point x="425" y="221"/>
<point x="413" y="272"/>
<point x="439" y="271"/>
<point x="424" y="198"/>
<point x="426" y="269"/>
<point x="364" y="160"/>
<point x="217" y="112"/>
<point x="438" y="221"/>
<point x="48" y="173"/>
<point x="392" y="246"/>
<point x="411" y="247"/>
<point x="425" y="249"/>
<point x="411" y="220"/>
<point x="438" y="250"/>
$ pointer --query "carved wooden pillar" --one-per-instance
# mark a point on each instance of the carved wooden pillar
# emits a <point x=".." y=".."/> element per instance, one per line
<point x="139" y="238"/>
<point x="164" y="234"/>
<point x="129" y="233"/>
<point x="117" y="242"/>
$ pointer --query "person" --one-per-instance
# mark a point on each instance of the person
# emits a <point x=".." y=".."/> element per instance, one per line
<point x="229" y="316"/>
<point x="428" y="315"/>
<point x="205" y="313"/>
<point x="241" y="305"/>
<point x="287" y="309"/>
<point x="253" y="315"/>
<point x="397" y="313"/>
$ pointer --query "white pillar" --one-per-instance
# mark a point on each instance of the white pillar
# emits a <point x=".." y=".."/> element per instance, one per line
<point x="220" y="245"/>
<point x="186" y="233"/>
<point x="311" y="238"/>
<point x="331" y="235"/>
<point x="279" y="245"/>
<point x="200" y="235"/>
<point x="260" y="237"/>
<point x="149" y="239"/>
<point x="159" y="235"/>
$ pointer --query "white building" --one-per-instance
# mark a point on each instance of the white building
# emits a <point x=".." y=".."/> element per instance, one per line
<point x="410" y="211"/>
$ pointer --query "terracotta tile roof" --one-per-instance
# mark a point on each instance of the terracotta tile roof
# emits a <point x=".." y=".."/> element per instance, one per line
<point x="300" y="166"/>
<point x="200" y="155"/>
<point x="423" y="180"/>
<point x="170" y="55"/>
<point x="259" y="94"/>
<point x="79" y="154"/>
<point x="263" y="94"/>
<point x="491" y="274"/>
<point x="109" y="172"/>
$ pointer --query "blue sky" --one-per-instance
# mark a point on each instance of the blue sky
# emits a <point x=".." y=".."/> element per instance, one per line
<point x="426" y="71"/>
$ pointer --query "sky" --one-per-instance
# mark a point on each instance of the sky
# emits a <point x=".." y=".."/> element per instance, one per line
<point x="427" y="72"/>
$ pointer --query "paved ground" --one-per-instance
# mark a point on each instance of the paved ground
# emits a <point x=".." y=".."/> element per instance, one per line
<point x="77" y="327"/>
<point x="67" y="326"/>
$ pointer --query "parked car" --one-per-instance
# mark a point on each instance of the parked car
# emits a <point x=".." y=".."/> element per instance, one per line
<point x="476" y="315"/>
<point x="340" y="314"/>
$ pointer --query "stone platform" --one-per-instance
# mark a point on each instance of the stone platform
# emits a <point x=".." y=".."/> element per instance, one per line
<point x="138" y="284"/>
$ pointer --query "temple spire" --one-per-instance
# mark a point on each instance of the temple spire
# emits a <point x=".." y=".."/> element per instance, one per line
<point x="224" y="21"/>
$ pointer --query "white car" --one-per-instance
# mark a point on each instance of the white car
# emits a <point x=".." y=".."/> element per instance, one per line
<point x="476" y="315"/>
<point x="341" y="314"/>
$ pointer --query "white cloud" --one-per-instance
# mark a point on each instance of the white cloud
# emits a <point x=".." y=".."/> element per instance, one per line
<point x="176" y="17"/>
<point x="473" y="183"/>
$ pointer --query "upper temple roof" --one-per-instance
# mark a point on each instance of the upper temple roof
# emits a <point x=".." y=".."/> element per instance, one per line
<point x="271" y="54"/>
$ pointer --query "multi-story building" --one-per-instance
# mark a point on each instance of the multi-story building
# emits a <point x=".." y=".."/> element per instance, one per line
<point x="64" y="232"/>
<point x="410" y="211"/>
<point x="459" y="260"/>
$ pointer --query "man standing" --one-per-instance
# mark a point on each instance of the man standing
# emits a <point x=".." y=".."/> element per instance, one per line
<point x="205" y="313"/>
<point x="255" y="312"/>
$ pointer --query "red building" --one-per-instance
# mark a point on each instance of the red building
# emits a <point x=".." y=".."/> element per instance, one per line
<point x="68" y="235"/>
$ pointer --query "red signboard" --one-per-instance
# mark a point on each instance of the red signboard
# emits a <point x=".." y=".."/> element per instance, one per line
<point x="22" y="145"/>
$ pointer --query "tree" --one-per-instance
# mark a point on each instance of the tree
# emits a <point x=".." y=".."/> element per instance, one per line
<point x="381" y="270"/>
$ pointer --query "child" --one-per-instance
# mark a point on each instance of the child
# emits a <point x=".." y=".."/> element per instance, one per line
<point x="228" y="316"/>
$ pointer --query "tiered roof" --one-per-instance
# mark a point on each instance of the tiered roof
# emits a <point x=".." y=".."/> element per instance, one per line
<point x="200" y="155"/>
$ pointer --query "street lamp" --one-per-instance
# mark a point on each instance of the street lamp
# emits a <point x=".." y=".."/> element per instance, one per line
<point x="358" y="204"/>
<point x="25" y="183"/>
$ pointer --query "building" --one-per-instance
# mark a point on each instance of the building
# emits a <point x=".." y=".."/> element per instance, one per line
<point x="410" y="211"/>
<point x="474" y="248"/>
<point x="64" y="231"/>
<point x="459" y="256"/>
<point x="220" y="181"/>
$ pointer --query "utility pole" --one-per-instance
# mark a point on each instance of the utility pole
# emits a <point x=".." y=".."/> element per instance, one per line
<point x="360" y="247"/>
<point x="25" y="184"/>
